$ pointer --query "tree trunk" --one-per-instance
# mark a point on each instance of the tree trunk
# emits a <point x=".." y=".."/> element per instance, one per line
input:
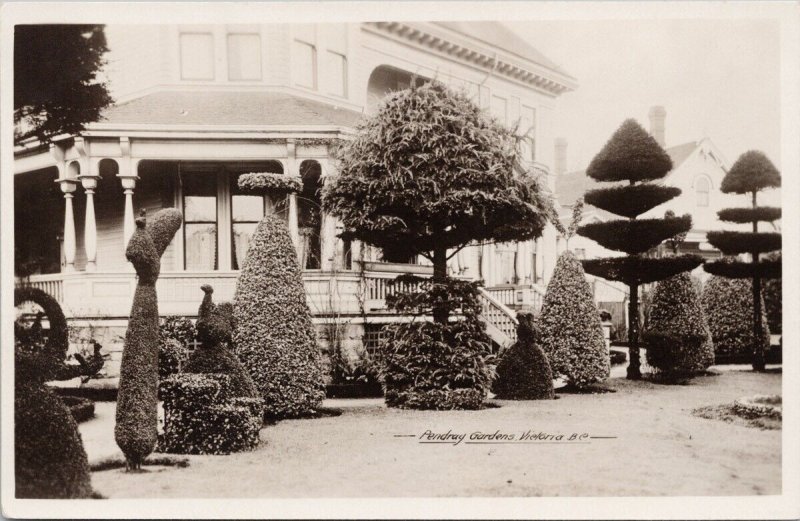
<point x="758" y="331"/>
<point x="633" y="333"/>
<point x="440" y="314"/>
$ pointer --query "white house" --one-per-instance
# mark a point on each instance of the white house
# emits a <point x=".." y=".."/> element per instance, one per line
<point x="197" y="106"/>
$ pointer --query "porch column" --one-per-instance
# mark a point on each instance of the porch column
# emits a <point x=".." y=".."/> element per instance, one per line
<point x="293" y="168"/>
<point x="89" y="182"/>
<point x="68" y="187"/>
<point x="127" y="175"/>
<point x="328" y="248"/>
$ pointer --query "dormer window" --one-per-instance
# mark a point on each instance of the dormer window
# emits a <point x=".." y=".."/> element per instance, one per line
<point x="197" y="56"/>
<point x="702" y="189"/>
<point x="244" y="56"/>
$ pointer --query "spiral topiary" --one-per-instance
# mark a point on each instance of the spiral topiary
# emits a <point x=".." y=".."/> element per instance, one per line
<point x="677" y="336"/>
<point x="523" y="372"/>
<point x="137" y="416"/>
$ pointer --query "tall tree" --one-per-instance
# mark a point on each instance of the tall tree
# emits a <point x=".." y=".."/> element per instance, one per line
<point x="57" y="89"/>
<point x="428" y="174"/>
<point x="750" y="174"/>
<point x="633" y="155"/>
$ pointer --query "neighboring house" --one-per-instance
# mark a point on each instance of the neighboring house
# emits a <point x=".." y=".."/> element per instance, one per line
<point x="197" y="106"/>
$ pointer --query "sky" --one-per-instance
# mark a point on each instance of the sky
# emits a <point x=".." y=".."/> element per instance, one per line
<point x="715" y="78"/>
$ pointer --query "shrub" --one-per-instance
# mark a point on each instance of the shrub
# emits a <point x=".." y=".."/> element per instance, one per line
<point x="172" y="355"/>
<point x="178" y="328"/>
<point x="274" y="336"/>
<point x="677" y="336"/>
<point x="214" y="329"/>
<point x="569" y="324"/>
<point x="202" y="417"/>
<point x="773" y="299"/>
<point x="137" y="416"/>
<point x="523" y="372"/>
<point x="728" y="307"/>
<point x="82" y="409"/>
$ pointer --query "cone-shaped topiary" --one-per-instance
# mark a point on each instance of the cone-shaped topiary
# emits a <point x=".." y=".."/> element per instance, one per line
<point x="677" y="336"/>
<point x="728" y="307"/>
<point x="214" y="330"/>
<point x="273" y="336"/>
<point x="523" y="372"/>
<point x="634" y="156"/>
<point x="751" y="173"/>
<point x="569" y="325"/>
<point x="137" y="399"/>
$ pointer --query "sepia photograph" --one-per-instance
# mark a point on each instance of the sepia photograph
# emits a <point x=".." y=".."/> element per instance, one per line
<point x="401" y="260"/>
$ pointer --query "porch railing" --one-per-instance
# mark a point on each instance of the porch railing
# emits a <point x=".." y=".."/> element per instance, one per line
<point x="501" y="321"/>
<point x="528" y="296"/>
<point x="52" y="284"/>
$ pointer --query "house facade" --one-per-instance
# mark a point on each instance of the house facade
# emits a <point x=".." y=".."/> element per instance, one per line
<point x="198" y="106"/>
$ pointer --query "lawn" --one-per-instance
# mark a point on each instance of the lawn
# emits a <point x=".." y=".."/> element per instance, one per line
<point x="651" y="445"/>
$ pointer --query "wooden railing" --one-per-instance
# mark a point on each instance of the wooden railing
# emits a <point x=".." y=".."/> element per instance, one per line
<point x="52" y="284"/>
<point x="501" y="321"/>
<point x="529" y="296"/>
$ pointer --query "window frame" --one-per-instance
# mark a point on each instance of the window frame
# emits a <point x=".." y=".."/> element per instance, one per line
<point x="314" y="76"/>
<point x="210" y="34"/>
<point x="345" y="80"/>
<point x="705" y="200"/>
<point x="187" y="222"/>
<point x="260" y="55"/>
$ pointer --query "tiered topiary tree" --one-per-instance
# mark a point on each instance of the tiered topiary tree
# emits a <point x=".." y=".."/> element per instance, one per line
<point x="137" y="399"/>
<point x="429" y="174"/>
<point x="49" y="459"/>
<point x="274" y="336"/>
<point x="677" y="335"/>
<point x="632" y="155"/>
<point x="728" y="307"/>
<point x="750" y="174"/>
<point x="569" y="325"/>
<point x="523" y="372"/>
<point x="214" y="330"/>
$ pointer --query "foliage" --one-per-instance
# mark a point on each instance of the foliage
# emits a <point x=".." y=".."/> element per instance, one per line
<point x="569" y="326"/>
<point x="264" y="182"/>
<point x="631" y="201"/>
<point x="214" y="329"/>
<point x="56" y="85"/>
<point x="81" y="409"/>
<point x="773" y="298"/>
<point x="523" y="372"/>
<point x="728" y="307"/>
<point x="137" y="416"/>
<point x="640" y="270"/>
<point x="674" y="242"/>
<point x="677" y="336"/>
<point x="733" y="243"/>
<point x="630" y="155"/>
<point x="637" y="235"/>
<point x="751" y="172"/>
<point x="203" y="416"/>
<point x="172" y="355"/>
<point x="178" y="328"/>
<point x="437" y="366"/>
<point x="748" y="215"/>
<point x="766" y="269"/>
<point x="274" y="336"/>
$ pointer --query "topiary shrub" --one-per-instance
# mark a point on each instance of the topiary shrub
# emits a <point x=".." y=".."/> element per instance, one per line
<point x="177" y="334"/>
<point x="82" y="409"/>
<point x="202" y="417"/>
<point x="569" y="325"/>
<point x="137" y="399"/>
<point x="773" y="299"/>
<point x="428" y="365"/>
<point x="728" y="307"/>
<point x="523" y="372"/>
<point x="677" y="336"/>
<point x="214" y="329"/>
<point x="274" y="336"/>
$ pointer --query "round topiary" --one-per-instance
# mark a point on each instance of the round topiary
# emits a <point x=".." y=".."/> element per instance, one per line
<point x="728" y="307"/>
<point x="214" y="330"/>
<point x="569" y="324"/>
<point x="274" y="336"/>
<point x="523" y="372"/>
<point x="677" y="336"/>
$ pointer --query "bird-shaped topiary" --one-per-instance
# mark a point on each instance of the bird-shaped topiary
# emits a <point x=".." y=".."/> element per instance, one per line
<point x="523" y="372"/>
<point x="137" y="399"/>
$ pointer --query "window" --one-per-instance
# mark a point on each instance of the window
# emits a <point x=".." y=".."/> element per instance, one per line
<point x="527" y="125"/>
<point x="336" y="75"/>
<point x="499" y="109"/>
<point x="304" y="68"/>
<point x="246" y="212"/>
<point x="507" y="262"/>
<point x="702" y="187"/>
<point x="244" y="57"/>
<point x="197" y="56"/>
<point x="200" y="221"/>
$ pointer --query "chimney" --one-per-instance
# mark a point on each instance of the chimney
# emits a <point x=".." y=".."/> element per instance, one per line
<point x="657" y="116"/>
<point x="561" y="156"/>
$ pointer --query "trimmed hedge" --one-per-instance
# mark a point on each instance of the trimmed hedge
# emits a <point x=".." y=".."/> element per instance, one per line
<point x="137" y="416"/>
<point x="176" y="334"/>
<point x="82" y="409"/>
<point x="748" y="215"/>
<point x="569" y="325"/>
<point x="640" y="270"/>
<point x="751" y="172"/>
<point x="773" y="298"/>
<point x="264" y="182"/>
<point x="49" y="459"/>
<point x="202" y="417"/>
<point x="766" y="269"/>
<point x="214" y="329"/>
<point x="274" y="336"/>
<point x="677" y="336"/>
<point x="728" y="307"/>
<point x="635" y="236"/>
<point x="630" y="201"/>
<point x="631" y="154"/>
<point x="733" y="243"/>
<point x="523" y="372"/>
